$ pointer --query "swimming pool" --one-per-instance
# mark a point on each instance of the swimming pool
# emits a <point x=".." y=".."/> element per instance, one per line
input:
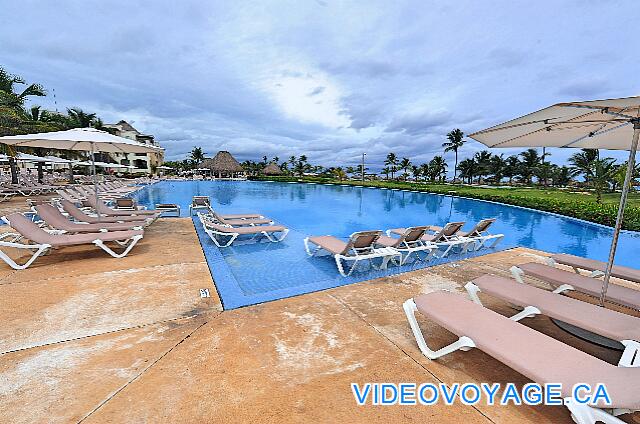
<point x="257" y="272"/>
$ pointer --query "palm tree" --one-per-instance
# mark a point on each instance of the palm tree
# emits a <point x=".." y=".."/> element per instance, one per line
<point x="482" y="160"/>
<point x="602" y="173"/>
<point x="511" y="167"/>
<point x="456" y="141"/>
<point x="562" y="175"/>
<point x="405" y="166"/>
<point x="339" y="173"/>
<point x="276" y="159"/>
<point x="416" y="172"/>
<point x="425" y="171"/>
<point x="529" y="164"/>
<point x="468" y="169"/>
<point x="196" y="156"/>
<point x="80" y="119"/>
<point x="13" y="99"/>
<point x="583" y="162"/>
<point x="496" y="167"/>
<point x="438" y="168"/>
<point x="386" y="171"/>
<point x="392" y="162"/>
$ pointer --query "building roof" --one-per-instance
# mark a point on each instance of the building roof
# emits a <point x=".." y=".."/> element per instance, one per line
<point x="272" y="169"/>
<point x="222" y="162"/>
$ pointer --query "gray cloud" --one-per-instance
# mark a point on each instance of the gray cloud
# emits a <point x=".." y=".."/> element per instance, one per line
<point x="326" y="79"/>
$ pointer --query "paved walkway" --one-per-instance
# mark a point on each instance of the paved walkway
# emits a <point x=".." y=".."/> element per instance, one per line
<point x="89" y="338"/>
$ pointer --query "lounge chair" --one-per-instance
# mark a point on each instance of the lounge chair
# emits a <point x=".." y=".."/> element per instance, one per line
<point x="444" y="237"/>
<point x="409" y="242"/>
<point x="239" y="215"/>
<point x="81" y="216"/>
<point x="44" y="240"/>
<point x="479" y="234"/>
<point x="243" y="222"/>
<point x="199" y="202"/>
<point x="529" y="352"/>
<point x="613" y="325"/>
<point x="54" y="219"/>
<point x="103" y="209"/>
<point x="216" y="231"/>
<point x="361" y="246"/>
<point x="566" y="280"/>
<point x="597" y="268"/>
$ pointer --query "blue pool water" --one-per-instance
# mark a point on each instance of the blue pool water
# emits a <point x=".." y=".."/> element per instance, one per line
<point x="253" y="272"/>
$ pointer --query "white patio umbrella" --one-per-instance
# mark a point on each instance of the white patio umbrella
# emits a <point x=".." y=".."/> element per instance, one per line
<point x="612" y="124"/>
<point x="84" y="139"/>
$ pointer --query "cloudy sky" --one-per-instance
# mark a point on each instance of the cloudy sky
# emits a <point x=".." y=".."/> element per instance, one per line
<point x="329" y="79"/>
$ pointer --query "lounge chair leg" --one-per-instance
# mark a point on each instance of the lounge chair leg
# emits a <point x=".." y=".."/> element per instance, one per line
<point x="339" y="265"/>
<point x="464" y="343"/>
<point x="631" y="356"/>
<point x="39" y="250"/>
<point x="517" y="274"/>
<point x="273" y="238"/>
<point x="563" y="288"/>
<point x="527" y="312"/>
<point x="134" y="241"/>
<point x="585" y="414"/>
<point x="473" y="291"/>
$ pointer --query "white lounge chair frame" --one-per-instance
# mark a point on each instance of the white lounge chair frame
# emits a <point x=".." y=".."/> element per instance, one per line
<point x="517" y="274"/>
<point x="41" y="249"/>
<point x="630" y="356"/>
<point x="213" y="233"/>
<point x="366" y="254"/>
<point x="581" y="413"/>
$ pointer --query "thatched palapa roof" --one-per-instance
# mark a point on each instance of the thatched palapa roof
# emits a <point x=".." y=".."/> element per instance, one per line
<point x="222" y="162"/>
<point x="272" y="169"/>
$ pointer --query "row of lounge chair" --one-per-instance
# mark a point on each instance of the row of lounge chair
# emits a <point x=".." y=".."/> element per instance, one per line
<point x="538" y="356"/>
<point x="399" y="244"/>
<point x="71" y="223"/>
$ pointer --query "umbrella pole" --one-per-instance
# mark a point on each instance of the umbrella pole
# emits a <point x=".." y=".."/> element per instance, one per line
<point x="95" y="180"/>
<point x="623" y="202"/>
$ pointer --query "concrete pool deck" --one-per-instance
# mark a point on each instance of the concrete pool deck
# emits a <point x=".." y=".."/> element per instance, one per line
<point x="89" y="338"/>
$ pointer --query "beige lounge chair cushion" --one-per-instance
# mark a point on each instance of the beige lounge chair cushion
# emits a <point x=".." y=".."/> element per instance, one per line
<point x="529" y="352"/>
<point x="618" y="271"/>
<point x="556" y="277"/>
<point x="55" y="219"/>
<point x="387" y="241"/>
<point x="241" y="216"/>
<point x="36" y="234"/>
<point x="79" y="215"/>
<point x="246" y="230"/>
<point x="605" y="322"/>
<point x="331" y="244"/>
<point x="245" y="222"/>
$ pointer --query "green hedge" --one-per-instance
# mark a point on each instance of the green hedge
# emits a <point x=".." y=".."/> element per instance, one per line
<point x="600" y="213"/>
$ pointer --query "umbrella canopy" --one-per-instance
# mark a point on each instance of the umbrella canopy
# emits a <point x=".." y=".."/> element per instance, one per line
<point x="86" y="139"/>
<point x="599" y="124"/>
<point x="24" y="157"/>
<point x="166" y="168"/>
<point x="56" y="160"/>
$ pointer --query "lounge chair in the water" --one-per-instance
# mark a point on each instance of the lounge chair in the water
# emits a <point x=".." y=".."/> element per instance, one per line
<point x="101" y="208"/>
<point x="360" y="246"/>
<point x="199" y="202"/>
<point x="220" y="231"/>
<point x="43" y="240"/>
<point x="237" y="222"/>
<point x="444" y="238"/>
<point x="563" y="281"/>
<point x="608" y="323"/>
<point x="533" y="354"/>
<point x="409" y="242"/>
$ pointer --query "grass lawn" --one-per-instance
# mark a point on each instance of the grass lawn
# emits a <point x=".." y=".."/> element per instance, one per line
<point x="577" y="203"/>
